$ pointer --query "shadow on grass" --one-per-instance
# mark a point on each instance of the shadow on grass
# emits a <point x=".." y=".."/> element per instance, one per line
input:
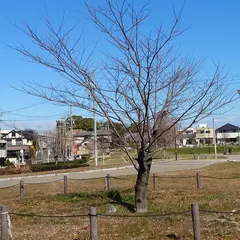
<point x="123" y="198"/>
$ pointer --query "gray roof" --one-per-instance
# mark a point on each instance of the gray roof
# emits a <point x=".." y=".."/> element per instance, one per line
<point x="227" y="127"/>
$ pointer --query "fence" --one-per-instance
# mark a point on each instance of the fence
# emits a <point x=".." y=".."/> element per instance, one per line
<point x="93" y="216"/>
<point x="108" y="185"/>
<point x="108" y="182"/>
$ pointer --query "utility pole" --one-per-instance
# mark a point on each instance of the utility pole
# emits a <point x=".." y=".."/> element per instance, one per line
<point x="209" y="149"/>
<point x="65" y="140"/>
<point x="72" y="140"/>
<point x="175" y="146"/>
<point x="108" y="128"/>
<point x="41" y="148"/>
<point x="95" y="125"/>
<point x="95" y="134"/>
<point x="22" y="152"/>
<point x="48" y="148"/>
<point x="238" y="136"/>
<point x="214" y="140"/>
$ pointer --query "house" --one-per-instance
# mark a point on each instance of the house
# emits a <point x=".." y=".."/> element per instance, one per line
<point x="3" y="151"/>
<point x="84" y="141"/>
<point x="187" y="137"/>
<point x="227" y="133"/>
<point x="18" y="144"/>
<point x="204" y="134"/>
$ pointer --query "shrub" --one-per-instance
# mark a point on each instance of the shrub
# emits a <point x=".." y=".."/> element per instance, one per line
<point x="8" y="163"/>
<point x="85" y="157"/>
<point x="60" y="165"/>
<point x="15" y="170"/>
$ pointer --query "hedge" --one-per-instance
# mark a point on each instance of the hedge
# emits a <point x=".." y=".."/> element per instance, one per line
<point x="60" y="165"/>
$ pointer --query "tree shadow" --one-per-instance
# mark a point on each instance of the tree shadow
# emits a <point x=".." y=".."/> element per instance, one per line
<point x="123" y="200"/>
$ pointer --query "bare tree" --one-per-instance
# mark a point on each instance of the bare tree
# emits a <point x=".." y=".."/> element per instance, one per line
<point x="136" y="84"/>
<point x="50" y="146"/>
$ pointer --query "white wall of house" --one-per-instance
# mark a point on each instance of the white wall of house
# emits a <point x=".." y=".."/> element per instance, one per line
<point x="27" y="142"/>
<point x="3" y="150"/>
<point x="3" y="153"/>
<point x="225" y="137"/>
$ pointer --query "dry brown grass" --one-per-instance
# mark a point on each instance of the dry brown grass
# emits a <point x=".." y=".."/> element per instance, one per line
<point x="172" y="195"/>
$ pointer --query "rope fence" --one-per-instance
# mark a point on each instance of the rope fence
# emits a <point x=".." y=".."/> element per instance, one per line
<point x="108" y="185"/>
<point x="6" y="228"/>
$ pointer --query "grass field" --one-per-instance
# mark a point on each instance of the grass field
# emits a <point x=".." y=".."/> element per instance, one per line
<point x="172" y="195"/>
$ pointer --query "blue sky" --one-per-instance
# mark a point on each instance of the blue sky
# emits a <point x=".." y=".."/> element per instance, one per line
<point x="213" y="34"/>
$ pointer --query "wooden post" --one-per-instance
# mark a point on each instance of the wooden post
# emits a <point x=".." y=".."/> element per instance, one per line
<point x="21" y="189"/>
<point x="93" y="224"/>
<point x="196" y="221"/>
<point x="65" y="180"/>
<point x="107" y="182"/>
<point x="154" y="182"/>
<point x="198" y="180"/>
<point x="4" y="224"/>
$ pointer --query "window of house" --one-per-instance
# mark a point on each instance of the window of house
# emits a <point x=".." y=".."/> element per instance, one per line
<point x="19" y="142"/>
<point x="13" y="141"/>
<point x="201" y="131"/>
<point x="207" y="131"/>
<point x="13" y="134"/>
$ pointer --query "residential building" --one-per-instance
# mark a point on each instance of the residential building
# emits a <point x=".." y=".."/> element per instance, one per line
<point x="227" y="133"/>
<point x="84" y="143"/>
<point x="204" y="134"/>
<point x="187" y="137"/>
<point x="3" y="151"/>
<point x="18" y="143"/>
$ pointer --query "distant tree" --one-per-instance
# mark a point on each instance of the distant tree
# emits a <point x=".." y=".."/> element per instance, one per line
<point x="118" y="131"/>
<point x="79" y="122"/>
<point x="142" y="77"/>
<point x="167" y="139"/>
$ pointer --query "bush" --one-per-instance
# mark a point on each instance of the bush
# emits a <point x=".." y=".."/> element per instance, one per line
<point x="60" y="165"/>
<point x="11" y="169"/>
<point x="7" y="163"/>
<point x="85" y="157"/>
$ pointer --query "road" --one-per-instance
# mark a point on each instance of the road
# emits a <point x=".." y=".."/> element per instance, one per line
<point x="157" y="167"/>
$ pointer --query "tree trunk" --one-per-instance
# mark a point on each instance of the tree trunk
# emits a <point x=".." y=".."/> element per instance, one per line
<point x="141" y="185"/>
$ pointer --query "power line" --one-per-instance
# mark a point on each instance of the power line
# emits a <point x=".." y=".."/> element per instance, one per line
<point x="39" y="116"/>
<point x="23" y="108"/>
